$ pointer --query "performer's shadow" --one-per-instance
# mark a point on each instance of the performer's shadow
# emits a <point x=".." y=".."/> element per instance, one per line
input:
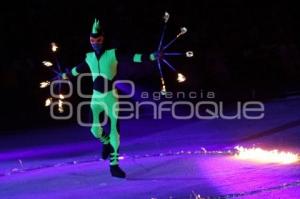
<point x="184" y="184"/>
<point x="147" y="171"/>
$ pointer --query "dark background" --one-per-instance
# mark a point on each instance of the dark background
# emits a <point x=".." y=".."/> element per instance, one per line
<point x="242" y="50"/>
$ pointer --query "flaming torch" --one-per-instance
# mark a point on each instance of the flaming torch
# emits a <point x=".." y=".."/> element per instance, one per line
<point x="58" y="76"/>
<point x="162" y="54"/>
<point x="44" y="84"/>
<point x="54" y="47"/>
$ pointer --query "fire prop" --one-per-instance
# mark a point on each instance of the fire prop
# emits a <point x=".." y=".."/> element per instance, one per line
<point x="56" y="69"/>
<point x="161" y="54"/>
<point x="264" y="156"/>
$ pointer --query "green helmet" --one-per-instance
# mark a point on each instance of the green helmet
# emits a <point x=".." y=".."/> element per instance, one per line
<point x="96" y="29"/>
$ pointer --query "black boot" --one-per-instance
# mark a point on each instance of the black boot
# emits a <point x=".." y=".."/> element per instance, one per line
<point x="116" y="171"/>
<point x="106" y="148"/>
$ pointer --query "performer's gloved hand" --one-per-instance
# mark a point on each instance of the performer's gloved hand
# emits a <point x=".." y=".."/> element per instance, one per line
<point x="154" y="56"/>
<point x="64" y="76"/>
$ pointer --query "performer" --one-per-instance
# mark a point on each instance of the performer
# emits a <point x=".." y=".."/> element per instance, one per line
<point x="102" y="64"/>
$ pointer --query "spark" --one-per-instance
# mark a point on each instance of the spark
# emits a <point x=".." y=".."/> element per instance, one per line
<point x="47" y="63"/>
<point x="21" y="163"/>
<point x="61" y="96"/>
<point x="261" y="155"/>
<point x="44" y="84"/>
<point x="196" y="196"/>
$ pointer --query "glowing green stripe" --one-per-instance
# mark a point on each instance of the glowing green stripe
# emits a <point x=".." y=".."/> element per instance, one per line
<point x="137" y="58"/>
<point x="74" y="72"/>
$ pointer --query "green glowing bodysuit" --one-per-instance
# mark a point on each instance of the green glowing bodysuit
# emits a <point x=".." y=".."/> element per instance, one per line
<point x="103" y="69"/>
<point x="102" y="65"/>
<point x="106" y="67"/>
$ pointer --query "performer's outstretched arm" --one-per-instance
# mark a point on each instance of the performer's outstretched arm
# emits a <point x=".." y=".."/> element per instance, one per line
<point x="75" y="71"/>
<point x="123" y="56"/>
<point x="128" y="64"/>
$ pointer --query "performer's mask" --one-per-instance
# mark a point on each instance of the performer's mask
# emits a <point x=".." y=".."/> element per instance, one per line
<point x="96" y="37"/>
<point x="97" y="43"/>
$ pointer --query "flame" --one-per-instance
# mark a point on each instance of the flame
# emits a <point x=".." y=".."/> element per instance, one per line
<point x="183" y="30"/>
<point x="60" y="106"/>
<point x="162" y="81"/>
<point x="189" y="54"/>
<point x="261" y="155"/>
<point x="54" y="47"/>
<point x="181" y="78"/>
<point x="47" y="63"/>
<point x="163" y="90"/>
<point x="166" y="17"/>
<point x="48" y="102"/>
<point x="121" y="158"/>
<point x="44" y="84"/>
